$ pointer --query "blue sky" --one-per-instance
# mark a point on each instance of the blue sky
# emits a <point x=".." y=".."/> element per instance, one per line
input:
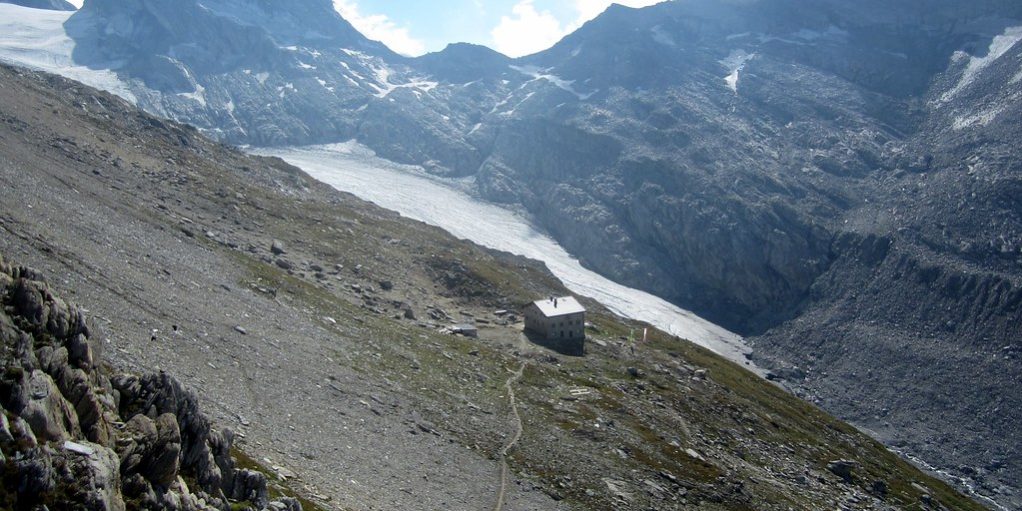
<point x="512" y="27"/>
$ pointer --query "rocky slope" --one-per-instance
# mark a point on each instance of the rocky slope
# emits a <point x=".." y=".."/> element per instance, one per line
<point x="764" y="163"/>
<point x="315" y="325"/>
<point x="73" y="433"/>
<point x="928" y="274"/>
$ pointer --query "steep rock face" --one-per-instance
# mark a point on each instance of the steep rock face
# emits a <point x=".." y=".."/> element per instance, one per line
<point x="749" y="130"/>
<point x="60" y="410"/>
<point x="728" y="185"/>
<point x="919" y="351"/>
<point x="263" y="74"/>
<point x="925" y="292"/>
<point x="234" y="32"/>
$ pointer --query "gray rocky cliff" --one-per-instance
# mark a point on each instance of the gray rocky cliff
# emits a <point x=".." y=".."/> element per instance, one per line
<point x="74" y="433"/>
<point x="261" y="74"/>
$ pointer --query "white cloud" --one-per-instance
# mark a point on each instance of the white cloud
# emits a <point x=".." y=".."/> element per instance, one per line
<point x="528" y="30"/>
<point x="76" y="3"/>
<point x="381" y="28"/>
<point x="589" y="9"/>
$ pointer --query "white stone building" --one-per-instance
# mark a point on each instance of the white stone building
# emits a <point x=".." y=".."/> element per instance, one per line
<point x="557" y="319"/>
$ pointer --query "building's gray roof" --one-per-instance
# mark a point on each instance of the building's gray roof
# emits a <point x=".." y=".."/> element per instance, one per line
<point x="565" y="305"/>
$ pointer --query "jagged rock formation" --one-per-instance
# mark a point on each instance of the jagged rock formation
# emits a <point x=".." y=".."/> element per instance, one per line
<point x="73" y="434"/>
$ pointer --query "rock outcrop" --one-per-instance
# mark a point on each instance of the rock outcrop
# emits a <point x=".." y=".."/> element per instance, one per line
<point x="71" y="432"/>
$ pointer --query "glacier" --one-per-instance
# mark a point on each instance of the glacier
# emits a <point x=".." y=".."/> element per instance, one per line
<point x="353" y="168"/>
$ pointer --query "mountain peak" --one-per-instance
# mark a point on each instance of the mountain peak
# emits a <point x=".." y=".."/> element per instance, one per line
<point x="463" y="62"/>
<point x="308" y="23"/>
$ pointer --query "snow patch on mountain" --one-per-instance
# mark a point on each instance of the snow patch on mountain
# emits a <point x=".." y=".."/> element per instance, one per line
<point x="36" y="38"/>
<point x="980" y="119"/>
<point x="662" y="37"/>
<point x="199" y="95"/>
<point x="544" y="74"/>
<point x="735" y="63"/>
<point x="832" y="33"/>
<point x="324" y="84"/>
<point x="243" y="14"/>
<point x="384" y="86"/>
<point x="384" y="77"/>
<point x="998" y="47"/>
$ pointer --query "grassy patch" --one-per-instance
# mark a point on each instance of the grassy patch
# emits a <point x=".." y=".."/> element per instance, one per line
<point x="276" y="488"/>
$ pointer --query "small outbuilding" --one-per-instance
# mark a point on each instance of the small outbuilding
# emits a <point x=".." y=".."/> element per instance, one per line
<point x="558" y="319"/>
<point x="465" y="329"/>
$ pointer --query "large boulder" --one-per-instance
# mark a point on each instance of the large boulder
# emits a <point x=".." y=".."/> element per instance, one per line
<point x="51" y="417"/>
<point x="93" y="473"/>
<point x="156" y="394"/>
<point x="165" y="460"/>
<point x="250" y="486"/>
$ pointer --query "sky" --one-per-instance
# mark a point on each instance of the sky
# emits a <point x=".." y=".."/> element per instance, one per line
<point x="512" y="27"/>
